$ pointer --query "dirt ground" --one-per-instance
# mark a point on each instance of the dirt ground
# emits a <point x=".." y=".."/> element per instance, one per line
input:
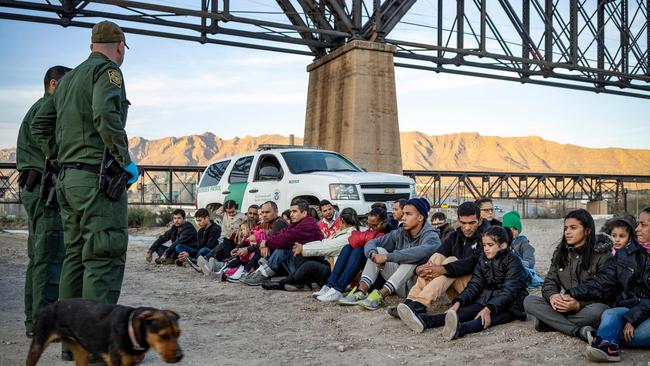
<point x="234" y="324"/>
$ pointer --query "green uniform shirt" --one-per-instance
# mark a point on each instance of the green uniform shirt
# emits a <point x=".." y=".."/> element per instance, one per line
<point x="28" y="154"/>
<point x="88" y="112"/>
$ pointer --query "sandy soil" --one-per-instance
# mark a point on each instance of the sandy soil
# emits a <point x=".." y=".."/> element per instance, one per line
<point x="234" y="324"/>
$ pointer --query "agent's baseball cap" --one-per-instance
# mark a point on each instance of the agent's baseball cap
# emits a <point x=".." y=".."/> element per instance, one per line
<point x="107" y="32"/>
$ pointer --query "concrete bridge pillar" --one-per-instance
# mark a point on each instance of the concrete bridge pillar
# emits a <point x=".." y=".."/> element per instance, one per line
<point x="597" y="207"/>
<point x="352" y="106"/>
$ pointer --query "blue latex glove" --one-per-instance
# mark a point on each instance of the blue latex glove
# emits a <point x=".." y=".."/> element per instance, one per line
<point x="133" y="170"/>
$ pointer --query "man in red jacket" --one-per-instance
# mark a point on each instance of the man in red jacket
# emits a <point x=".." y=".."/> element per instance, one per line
<point x="330" y="222"/>
<point x="303" y="229"/>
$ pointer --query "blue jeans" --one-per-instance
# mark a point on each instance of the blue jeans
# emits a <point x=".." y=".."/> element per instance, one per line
<point x="203" y="251"/>
<point x="611" y="329"/>
<point x="283" y="259"/>
<point x="348" y="264"/>
<point x="185" y="248"/>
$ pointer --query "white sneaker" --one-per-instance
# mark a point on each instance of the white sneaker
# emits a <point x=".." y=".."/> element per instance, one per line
<point x="332" y="295"/>
<point x="323" y="290"/>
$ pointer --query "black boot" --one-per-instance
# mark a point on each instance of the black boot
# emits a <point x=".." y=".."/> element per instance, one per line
<point x="272" y="285"/>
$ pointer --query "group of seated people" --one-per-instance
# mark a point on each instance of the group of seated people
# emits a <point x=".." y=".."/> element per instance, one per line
<point x="597" y="287"/>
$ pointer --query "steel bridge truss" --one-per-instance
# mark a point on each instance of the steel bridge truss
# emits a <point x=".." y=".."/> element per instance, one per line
<point x="447" y="187"/>
<point x="157" y="185"/>
<point x="593" y="45"/>
<point x="178" y="185"/>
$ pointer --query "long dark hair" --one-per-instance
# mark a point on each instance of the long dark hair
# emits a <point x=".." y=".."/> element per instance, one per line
<point x="349" y="216"/>
<point x="587" y="221"/>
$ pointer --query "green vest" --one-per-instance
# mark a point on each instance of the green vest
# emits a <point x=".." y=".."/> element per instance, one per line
<point x="28" y="154"/>
<point x="88" y="112"/>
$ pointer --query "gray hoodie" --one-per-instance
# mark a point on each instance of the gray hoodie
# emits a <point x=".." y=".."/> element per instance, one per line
<point x="402" y="248"/>
<point x="524" y="250"/>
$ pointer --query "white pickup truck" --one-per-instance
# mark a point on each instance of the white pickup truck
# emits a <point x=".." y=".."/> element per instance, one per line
<point x="281" y="174"/>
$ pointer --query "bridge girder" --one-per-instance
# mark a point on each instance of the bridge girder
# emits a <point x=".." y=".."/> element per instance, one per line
<point x="595" y="46"/>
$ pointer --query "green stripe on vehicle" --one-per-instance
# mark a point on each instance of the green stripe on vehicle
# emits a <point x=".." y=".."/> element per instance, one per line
<point x="237" y="191"/>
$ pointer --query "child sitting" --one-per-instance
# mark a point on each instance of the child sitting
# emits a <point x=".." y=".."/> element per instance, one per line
<point x="522" y="247"/>
<point x="621" y="229"/>
<point x="248" y="234"/>
<point x="494" y="295"/>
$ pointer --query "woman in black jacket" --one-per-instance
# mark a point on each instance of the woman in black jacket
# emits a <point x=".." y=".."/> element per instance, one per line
<point x="627" y="278"/>
<point x="577" y="259"/>
<point x="494" y="295"/>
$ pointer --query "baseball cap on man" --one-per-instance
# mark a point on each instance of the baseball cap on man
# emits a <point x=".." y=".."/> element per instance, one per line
<point x="107" y="32"/>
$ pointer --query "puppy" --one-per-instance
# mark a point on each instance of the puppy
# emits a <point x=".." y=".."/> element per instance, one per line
<point x="120" y="335"/>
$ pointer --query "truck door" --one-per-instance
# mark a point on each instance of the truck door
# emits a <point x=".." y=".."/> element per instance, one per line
<point x="266" y="184"/>
<point x="238" y="180"/>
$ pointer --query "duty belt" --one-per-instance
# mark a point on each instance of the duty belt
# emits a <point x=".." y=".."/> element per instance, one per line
<point x="81" y="166"/>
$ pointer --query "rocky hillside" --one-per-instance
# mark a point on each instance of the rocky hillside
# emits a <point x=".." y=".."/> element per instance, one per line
<point x="463" y="151"/>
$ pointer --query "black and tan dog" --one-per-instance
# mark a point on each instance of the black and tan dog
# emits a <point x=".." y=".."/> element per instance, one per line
<point x="120" y="335"/>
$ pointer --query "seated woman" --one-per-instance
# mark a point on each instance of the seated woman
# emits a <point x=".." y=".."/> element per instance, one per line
<point x="315" y="268"/>
<point x="576" y="260"/>
<point x="627" y="278"/>
<point x="351" y="258"/>
<point x="494" y="295"/>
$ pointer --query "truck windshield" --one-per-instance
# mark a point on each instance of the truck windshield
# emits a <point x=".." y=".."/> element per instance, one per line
<point x="300" y="162"/>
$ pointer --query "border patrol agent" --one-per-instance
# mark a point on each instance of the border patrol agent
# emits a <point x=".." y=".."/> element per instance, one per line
<point x="88" y="113"/>
<point x="45" y="240"/>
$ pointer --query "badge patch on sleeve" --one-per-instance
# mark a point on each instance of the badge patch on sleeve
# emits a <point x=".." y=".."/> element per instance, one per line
<point x="115" y="78"/>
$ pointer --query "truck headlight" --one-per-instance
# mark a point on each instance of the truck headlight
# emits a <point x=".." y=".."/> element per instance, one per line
<point x="343" y="192"/>
<point x="412" y="190"/>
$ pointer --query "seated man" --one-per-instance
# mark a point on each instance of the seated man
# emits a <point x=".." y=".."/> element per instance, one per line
<point x="207" y="236"/>
<point x="253" y="213"/>
<point x="450" y="268"/>
<point x="303" y="229"/>
<point x="487" y="211"/>
<point x="395" y="217"/>
<point x="439" y="221"/>
<point x="182" y="235"/>
<point x="330" y="222"/>
<point x="395" y="256"/>
<point x="322" y="252"/>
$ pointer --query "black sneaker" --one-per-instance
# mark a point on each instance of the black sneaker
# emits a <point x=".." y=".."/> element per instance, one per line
<point x="410" y="318"/>
<point x="272" y="285"/>
<point x="540" y="326"/>
<point x="603" y="351"/>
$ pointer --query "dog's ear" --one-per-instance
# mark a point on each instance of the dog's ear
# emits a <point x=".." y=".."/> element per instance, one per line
<point x="145" y="316"/>
<point x="172" y="314"/>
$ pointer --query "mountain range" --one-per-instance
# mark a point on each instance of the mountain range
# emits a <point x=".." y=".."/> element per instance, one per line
<point x="452" y="152"/>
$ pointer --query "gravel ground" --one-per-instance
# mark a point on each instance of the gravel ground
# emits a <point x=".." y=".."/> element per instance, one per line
<point x="234" y="324"/>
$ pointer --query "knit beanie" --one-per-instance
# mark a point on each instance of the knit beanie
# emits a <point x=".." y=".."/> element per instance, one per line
<point x="421" y="204"/>
<point x="512" y="219"/>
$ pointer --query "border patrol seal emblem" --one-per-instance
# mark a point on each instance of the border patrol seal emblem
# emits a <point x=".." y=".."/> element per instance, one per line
<point x="115" y="78"/>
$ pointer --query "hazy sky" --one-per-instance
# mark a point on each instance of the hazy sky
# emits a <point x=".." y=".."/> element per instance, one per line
<point x="180" y="88"/>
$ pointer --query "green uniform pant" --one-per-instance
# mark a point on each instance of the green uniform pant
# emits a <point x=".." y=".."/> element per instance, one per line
<point x="45" y="251"/>
<point x="96" y="238"/>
